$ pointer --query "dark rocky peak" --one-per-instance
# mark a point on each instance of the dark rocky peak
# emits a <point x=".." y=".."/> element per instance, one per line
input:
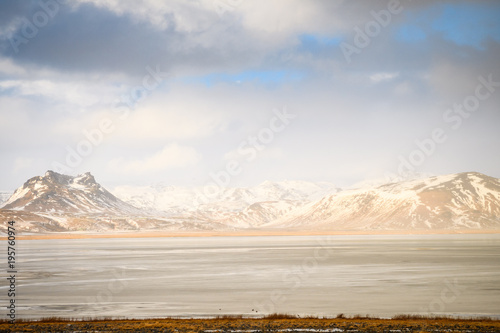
<point x="85" y="179"/>
<point x="52" y="177"/>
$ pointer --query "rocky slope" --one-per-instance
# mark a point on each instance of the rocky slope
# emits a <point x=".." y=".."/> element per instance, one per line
<point x="56" y="202"/>
<point x="61" y="194"/>
<point x="459" y="201"/>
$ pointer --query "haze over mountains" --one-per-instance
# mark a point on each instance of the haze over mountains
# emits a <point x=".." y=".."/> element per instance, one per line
<point x="56" y="202"/>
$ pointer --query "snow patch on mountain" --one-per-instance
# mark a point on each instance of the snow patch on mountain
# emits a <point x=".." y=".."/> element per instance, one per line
<point x="4" y="196"/>
<point x="173" y="199"/>
<point x="55" y="202"/>
<point x="457" y="201"/>
<point x="58" y="193"/>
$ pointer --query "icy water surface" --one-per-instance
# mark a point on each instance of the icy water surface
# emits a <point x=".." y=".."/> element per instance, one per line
<point x="320" y="275"/>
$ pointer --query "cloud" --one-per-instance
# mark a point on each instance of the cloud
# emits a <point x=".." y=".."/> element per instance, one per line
<point x="186" y="17"/>
<point x="171" y="156"/>
<point x="75" y="93"/>
<point x="9" y="68"/>
<point x="379" y="77"/>
<point x="176" y="115"/>
<point x="193" y="37"/>
<point x="229" y="67"/>
<point x="22" y="163"/>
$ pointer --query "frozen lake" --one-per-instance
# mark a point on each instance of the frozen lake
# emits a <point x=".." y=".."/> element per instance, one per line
<point x="319" y="275"/>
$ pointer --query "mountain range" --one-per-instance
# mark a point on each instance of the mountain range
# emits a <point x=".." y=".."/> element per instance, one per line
<point x="460" y="201"/>
<point x="56" y="202"/>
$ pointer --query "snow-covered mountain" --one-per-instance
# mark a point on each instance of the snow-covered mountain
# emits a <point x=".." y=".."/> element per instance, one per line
<point x="235" y="207"/>
<point x="4" y="196"/>
<point x="57" y="193"/>
<point x="459" y="201"/>
<point x="175" y="199"/>
<point x="56" y="202"/>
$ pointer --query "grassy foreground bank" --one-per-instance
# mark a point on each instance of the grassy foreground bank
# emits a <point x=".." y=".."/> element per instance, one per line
<point x="271" y="323"/>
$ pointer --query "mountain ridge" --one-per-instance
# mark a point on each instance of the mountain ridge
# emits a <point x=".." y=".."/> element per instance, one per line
<point x="55" y="202"/>
<point x="468" y="199"/>
<point x="58" y="193"/>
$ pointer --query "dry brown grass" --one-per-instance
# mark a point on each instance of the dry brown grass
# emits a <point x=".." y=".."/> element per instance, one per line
<point x="60" y="320"/>
<point x="229" y="317"/>
<point x="277" y="322"/>
<point x="431" y="317"/>
<point x="277" y="316"/>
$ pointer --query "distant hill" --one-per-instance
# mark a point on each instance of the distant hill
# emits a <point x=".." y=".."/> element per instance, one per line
<point x="467" y="200"/>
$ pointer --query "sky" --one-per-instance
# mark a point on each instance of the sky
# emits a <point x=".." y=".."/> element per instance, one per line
<point x="237" y="92"/>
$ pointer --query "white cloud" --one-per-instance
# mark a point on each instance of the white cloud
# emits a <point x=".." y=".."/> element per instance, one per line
<point x="22" y="163"/>
<point x="170" y="123"/>
<point x="404" y="88"/>
<point x="199" y="15"/>
<point x="383" y="76"/>
<point x="301" y="16"/>
<point x="171" y="156"/>
<point x="8" y="67"/>
<point x="173" y="115"/>
<point x="349" y="115"/>
<point x="78" y="94"/>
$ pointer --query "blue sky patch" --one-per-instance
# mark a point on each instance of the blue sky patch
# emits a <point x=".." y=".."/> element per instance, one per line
<point x="317" y="43"/>
<point x="264" y="77"/>
<point x="410" y="33"/>
<point x="465" y="24"/>
<point x="469" y="23"/>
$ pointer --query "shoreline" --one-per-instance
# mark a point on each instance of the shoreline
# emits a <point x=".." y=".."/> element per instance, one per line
<point x="244" y="233"/>
<point x="274" y="323"/>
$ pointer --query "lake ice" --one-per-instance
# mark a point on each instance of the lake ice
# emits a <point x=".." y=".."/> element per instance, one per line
<point x="205" y="276"/>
